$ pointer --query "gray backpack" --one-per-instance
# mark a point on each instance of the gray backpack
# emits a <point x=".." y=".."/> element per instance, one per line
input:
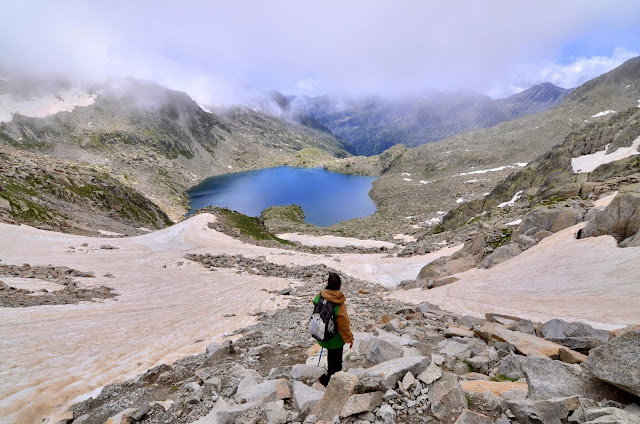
<point x="322" y="325"/>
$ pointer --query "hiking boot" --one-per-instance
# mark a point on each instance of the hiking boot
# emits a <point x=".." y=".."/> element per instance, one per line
<point x="324" y="380"/>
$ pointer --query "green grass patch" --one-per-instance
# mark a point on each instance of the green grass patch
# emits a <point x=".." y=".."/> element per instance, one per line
<point x="502" y="377"/>
<point x="503" y="238"/>
<point x="470" y="366"/>
<point x="248" y="226"/>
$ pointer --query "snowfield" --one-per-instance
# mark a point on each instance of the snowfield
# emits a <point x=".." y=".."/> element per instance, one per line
<point x="40" y="107"/>
<point x="54" y="355"/>
<point x="587" y="163"/>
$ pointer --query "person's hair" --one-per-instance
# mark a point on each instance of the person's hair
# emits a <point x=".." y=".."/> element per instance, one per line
<point x="334" y="281"/>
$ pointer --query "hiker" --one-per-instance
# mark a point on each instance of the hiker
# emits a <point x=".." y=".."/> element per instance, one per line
<point x="335" y="344"/>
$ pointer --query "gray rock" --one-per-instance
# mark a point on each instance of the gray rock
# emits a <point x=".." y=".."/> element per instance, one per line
<point x="431" y="374"/>
<point x="470" y="417"/>
<point x="526" y="242"/>
<point x="609" y="415"/>
<point x="305" y="372"/>
<point x="408" y="380"/>
<point x="4" y="204"/>
<point x="446" y="397"/>
<point x="391" y="371"/>
<point x="480" y="363"/>
<point x="141" y="412"/>
<point x="394" y="339"/>
<point x="574" y="335"/>
<point x="452" y="348"/>
<point x="378" y="350"/>
<point x="619" y="219"/>
<point x="549" y="379"/>
<point x="618" y="362"/>
<point x="552" y="219"/>
<point x="305" y="397"/>
<point x="501" y="254"/>
<point x="386" y="414"/>
<point x="340" y="388"/>
<point x="510" y="366"/>
<point x="551" y="411"/>
<point x="275" y="412"/>
<point x="258" y="392"/>
<point x="357" y="404"/>
<point x="390" y="394"/>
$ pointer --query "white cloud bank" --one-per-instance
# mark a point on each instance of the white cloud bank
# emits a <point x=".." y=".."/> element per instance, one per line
<point x="218" y="51"/>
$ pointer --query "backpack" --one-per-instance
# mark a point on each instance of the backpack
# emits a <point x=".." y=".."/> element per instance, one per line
<point x="322" y="325"/>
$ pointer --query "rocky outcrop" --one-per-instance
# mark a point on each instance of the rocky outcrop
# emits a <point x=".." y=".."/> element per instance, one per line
<point x="621" y="219"/>
<point x="617" y="362"/>
<point x="574" y="335"/>
<point x="548" y="379"/>
<point x="71" y="197"/>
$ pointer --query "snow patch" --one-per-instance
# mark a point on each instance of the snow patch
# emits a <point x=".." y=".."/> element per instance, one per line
<point x="500" y="168"/>
<point x="441" y="213"/>
<point x="603" y="113"/>
<point x="405" y="174"/>
<point x="460" y="200"/>
<point x="43" y="106"/>
<point x="587" y="163"/>
<point x="407" y="179"/>
<point x="513" y="200"/>
<point x="433" y="221"/>
<point x="424" y="182"/>
<point x="475" y="180"/>
<point x="514" y="223"/>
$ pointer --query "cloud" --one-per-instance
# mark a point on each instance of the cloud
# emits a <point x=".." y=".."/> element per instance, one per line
<point x="569" y="75"/>
<point x="219" y="51"/>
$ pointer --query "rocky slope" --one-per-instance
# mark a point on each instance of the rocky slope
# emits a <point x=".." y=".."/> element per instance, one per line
<point x="417" y="184"/>
<point x="372" y="125"/>
<point x="410" y="364"/>
<point x="160" y="140"/>
<point x="71" y="197"/>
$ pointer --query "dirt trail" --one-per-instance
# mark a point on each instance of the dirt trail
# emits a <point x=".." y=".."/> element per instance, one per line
<point x="54" y="355"/>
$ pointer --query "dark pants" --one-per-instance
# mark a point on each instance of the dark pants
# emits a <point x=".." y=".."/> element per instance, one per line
<point x="334" y="362"/>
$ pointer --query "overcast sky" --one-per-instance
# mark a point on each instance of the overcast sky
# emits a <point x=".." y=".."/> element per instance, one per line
<point x="221" y="51"/>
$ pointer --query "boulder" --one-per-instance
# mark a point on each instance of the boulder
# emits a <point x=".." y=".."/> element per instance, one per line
<point x="306" y="372"/>
<point x="510" y="367"/>
<point x="305" y="397"/>
<point x="453" y="348"/>
<point x="455" y="331"/>
<point x="498" y="388"/>
<point x="258" y="392"/>
<point x="571" y="356"/>
<point x="470" y="417"/>
<point x="386" y="414"/>
<point x="446" y="397"/>
<point x="551" y="411"/>
<point x="551" y="219"/>
<point x="431" y="374"/>
<point x="340" y="388"/>
<point x="275" y="412"/>
<point x="549" y="379"/>
<point x="618" y="362"/>
<point x="223" y="413"/>
<point x="379" y="350"/>
<point x="358" y="404"/>
<point x="574" y="335"/>
<point x="394" y="339"/>
<point x="480" y="363"/>
<point x="501" y="254"/>
<point x="391" y="371"/>
<point x="619" y="219"/>
<point x="526" y="344"/>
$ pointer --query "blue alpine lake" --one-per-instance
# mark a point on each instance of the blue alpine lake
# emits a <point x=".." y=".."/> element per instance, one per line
<point x="325" y="197"/>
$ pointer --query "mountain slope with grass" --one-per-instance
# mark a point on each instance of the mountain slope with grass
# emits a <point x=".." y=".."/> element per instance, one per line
<point x="158" y="140"/>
